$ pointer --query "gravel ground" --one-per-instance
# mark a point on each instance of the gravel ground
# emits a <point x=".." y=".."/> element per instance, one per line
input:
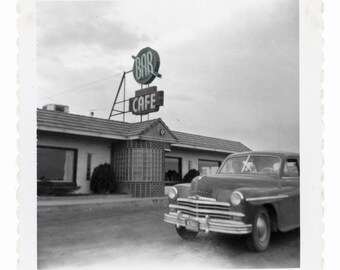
<point x="114" y="238"/>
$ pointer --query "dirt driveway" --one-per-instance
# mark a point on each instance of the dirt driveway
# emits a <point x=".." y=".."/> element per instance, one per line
<point x="103" y="239"/>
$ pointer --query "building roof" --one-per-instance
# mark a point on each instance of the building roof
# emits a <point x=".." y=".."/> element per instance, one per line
<point x="72" y="123"/>
<point x="68" y="123"/>
<point x="208" y="143"/>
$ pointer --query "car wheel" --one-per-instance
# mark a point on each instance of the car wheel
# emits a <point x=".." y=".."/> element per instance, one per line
<point x="259" y="239"/>
<point x="186" y="234"/>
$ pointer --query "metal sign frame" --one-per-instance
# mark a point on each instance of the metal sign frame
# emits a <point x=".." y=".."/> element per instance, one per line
<point x="154" y="74"/>
<point x="115" y="102"/>
<point x="114" y="110"/>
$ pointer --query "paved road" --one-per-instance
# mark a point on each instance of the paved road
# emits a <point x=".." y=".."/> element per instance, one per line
<point x="114" y="238"/>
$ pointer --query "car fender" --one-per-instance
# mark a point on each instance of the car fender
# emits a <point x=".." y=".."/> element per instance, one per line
<point x="271" y="198"/>
<point x="183" y="192"/>
<point x="261" y="196"/>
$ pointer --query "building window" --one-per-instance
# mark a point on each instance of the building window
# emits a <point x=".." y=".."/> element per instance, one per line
<point x="207" y="167"/>
<point x="88" y="166"/>
<point x="56" y="164"/>
<point x="173" y="170"/>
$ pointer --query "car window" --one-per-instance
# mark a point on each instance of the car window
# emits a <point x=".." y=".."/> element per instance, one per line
<point x="251" y="165"/>
<point x="291" y="168"/>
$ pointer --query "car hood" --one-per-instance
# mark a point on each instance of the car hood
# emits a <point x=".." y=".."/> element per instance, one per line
<point x="221" y="186"/>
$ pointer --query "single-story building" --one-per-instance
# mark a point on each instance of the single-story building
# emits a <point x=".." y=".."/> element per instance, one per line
<point x="145" y="156"/>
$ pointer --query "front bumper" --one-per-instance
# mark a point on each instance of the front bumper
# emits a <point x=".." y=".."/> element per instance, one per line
<point x="208" y="224"/>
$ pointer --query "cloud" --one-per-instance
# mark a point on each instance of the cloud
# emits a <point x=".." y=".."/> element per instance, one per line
<point x="79" y="43"/>
<point x="244" y="79"/>
<point x="64" y="25"/>
<point x="230" y="68"/>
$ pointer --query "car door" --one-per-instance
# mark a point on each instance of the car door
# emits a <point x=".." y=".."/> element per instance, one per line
<point x="289" y="208"/>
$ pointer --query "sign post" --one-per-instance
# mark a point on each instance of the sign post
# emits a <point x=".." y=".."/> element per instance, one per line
<point x="145" y="70"/>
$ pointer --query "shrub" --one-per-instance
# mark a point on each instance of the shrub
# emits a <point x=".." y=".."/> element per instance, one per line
<point x="190" y="175"/>
<point x="48" y="188"/>
<point x="102" y="180"/>
<point x="172" y="175"/>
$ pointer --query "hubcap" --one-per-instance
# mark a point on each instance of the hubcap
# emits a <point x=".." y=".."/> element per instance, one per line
<point x="262" y="229"/>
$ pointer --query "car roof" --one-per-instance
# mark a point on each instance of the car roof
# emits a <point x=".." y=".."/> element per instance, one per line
<point x="282" y="154"/>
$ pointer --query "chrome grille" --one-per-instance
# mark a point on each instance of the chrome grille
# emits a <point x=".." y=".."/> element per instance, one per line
<point x="202" y="208"/>
<point x="189" y="213"/>
<point x="199" y="205"/>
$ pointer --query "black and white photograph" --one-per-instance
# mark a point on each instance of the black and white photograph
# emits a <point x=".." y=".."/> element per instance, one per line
<point x="168" y="134"/>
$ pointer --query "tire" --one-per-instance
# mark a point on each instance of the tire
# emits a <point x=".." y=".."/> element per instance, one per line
<point x="186" y="234"/>
<point x="259" y="239"/>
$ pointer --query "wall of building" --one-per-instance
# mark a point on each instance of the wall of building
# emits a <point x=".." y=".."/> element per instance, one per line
<point x="100" y="150"/>
<point x="124" y="159"/>
<point x="192" y="156"/>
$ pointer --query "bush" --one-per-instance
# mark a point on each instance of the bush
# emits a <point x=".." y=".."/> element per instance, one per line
<point x="102" y="180"/>
<point x="172" y="175"/>
<point x="190" y="175"/>
<point x="48" y="188"/>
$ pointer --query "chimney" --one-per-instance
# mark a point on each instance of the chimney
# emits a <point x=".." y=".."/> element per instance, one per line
<point x="56" y="107"/>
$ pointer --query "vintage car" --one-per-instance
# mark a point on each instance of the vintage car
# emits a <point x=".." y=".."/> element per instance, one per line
<point x="252" y="194"/>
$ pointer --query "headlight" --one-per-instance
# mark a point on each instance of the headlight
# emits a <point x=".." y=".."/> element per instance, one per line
<point x="173" y="193"/>
<point x="236" y="198"/>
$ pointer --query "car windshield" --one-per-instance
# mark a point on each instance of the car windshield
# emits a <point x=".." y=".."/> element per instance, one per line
<point x="251" y="165"/>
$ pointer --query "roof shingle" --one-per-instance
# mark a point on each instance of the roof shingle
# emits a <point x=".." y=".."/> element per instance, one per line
<point x="200" y="141"/>
<point x="66" y="122"/>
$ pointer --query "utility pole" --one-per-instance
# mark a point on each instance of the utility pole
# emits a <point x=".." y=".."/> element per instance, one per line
<point x="278" y="138"/>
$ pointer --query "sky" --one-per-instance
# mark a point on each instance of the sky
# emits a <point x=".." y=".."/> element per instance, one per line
<point x="230" y="69"/>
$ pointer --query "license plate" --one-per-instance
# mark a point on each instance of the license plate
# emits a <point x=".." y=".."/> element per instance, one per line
<point x="191" y="225"/>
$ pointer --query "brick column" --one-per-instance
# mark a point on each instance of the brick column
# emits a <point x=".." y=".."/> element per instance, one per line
<point x="139" y="167"/>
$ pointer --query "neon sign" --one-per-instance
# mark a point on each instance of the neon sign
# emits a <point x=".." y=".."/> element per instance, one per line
<point x="146" y="66"/>
<point x="146" y="100"/>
